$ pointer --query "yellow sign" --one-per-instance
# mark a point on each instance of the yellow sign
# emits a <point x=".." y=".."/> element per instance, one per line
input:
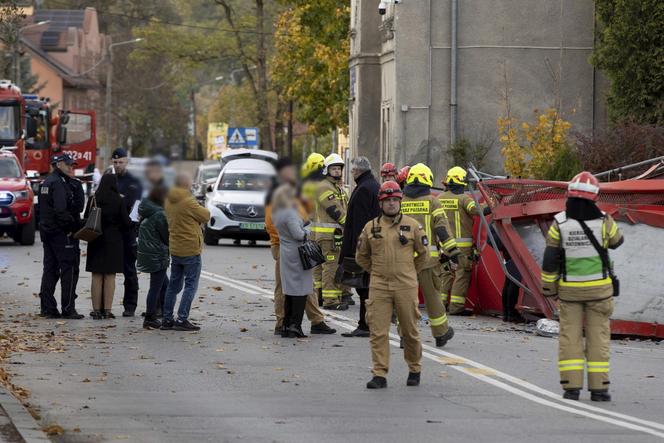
<point x="450" y="203"/>
<point x="216" y="140"/>
<point x="415" y="207"/>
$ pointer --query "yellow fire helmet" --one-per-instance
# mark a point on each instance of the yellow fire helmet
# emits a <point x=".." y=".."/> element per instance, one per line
<point x="456" y="175"/>
<point x="420" y="173"/>
<point x="314" y="162"/>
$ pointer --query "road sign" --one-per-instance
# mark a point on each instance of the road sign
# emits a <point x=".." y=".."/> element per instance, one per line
<point x="242" y="137"/>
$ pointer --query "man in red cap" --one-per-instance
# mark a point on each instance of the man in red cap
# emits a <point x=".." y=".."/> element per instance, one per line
<point x="388" y="172"/>
<point x="576" y="268"/>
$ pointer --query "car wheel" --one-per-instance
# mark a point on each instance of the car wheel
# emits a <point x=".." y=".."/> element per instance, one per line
<point x="209" y="238"/>
<point x="26" y="233"/>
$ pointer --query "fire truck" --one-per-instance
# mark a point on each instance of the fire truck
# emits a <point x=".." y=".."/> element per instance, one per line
<point x="31" y="133"/>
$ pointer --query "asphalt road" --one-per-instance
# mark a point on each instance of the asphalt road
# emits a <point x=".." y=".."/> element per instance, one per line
<point x="234" y="381"/>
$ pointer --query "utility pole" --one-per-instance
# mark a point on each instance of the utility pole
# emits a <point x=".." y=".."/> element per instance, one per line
<point x="289" y="139"/>
<point x="109" y="97"/>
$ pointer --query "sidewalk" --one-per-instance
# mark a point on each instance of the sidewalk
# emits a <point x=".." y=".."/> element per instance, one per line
<point x="16" y="423"/>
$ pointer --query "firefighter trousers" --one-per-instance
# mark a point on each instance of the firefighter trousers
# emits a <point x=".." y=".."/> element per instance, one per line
<point x="331" y="291"/>
<point x="380" y="305"/>
<point x="431" y="290"/>
<point x="573" y="356"/>
<point x="314" y="314"/>
<point x="455" y="283"/>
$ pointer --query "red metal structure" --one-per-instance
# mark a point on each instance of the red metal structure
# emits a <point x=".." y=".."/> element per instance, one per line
<point x="522" y="211"/>
<point x="12" y="112"/>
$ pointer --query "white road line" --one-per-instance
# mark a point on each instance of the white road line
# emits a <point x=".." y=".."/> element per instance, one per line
<point x="603" y="415"/>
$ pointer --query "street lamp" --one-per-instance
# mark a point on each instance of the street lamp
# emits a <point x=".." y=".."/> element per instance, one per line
<point x="109" y="90"/>
<point x="192" y="96"/>
<point x="17" y="50"/>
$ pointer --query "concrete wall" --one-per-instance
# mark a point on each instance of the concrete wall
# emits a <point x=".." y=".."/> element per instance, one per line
<point x="528" y="54"/>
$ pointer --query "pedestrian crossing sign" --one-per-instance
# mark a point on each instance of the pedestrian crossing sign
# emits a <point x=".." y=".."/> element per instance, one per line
<point x="242" y="137"/>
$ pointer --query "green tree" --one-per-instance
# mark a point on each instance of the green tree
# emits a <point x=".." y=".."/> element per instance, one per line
<point x="630" y="50"/>
<point x="310" y="65"/>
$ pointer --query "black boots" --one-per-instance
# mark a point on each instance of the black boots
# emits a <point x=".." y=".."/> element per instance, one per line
<point x="571" y="394"/>
<point x="151" y="322"/>
<point x="336" y="307"/>
<point x="413" y="379"/>
<point x="322" y="328"/>
<point x="377" y="383"/>
<point x="294" y="312"/>
<point x="443" y="339"/>
<point x="358" y="332"/>
<point x="348" y="299"/>
<point x="600" y="396"/>
<point x="295" y="331"/>
<point x="96" y="315"/>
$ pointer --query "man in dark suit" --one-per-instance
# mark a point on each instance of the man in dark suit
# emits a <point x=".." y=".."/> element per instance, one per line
<point x="362" y="207"/>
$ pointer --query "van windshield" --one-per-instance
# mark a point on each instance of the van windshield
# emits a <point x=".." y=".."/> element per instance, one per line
<point x="234" y="181"/>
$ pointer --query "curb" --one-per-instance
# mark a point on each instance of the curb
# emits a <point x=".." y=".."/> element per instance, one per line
<point x="24" y="423"/>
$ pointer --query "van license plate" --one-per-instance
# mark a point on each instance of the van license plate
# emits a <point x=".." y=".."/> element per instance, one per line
<point x="252" y="226"/>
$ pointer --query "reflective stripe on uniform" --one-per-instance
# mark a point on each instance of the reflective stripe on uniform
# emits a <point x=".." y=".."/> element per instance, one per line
<point x="470" y="206"/>
<point x="330" y="257"/>
<point x="438" y="321"/>
<point x="554" y="233"/>
<point x="549" y="278"/>
<point x="598" y="366"/>
<point x="571" y="365"/>
<point x="449" y="244"/>
<point x="457" y="299"/>
<point x="586" y="284"/>
<point x="464" y="242"/>
<point x="325" y="195"/>
<point x="331" y="293"/>
<point x="439" y="211"/>
<point x="318" y="284"/>
<point x="325" y="227"/>
<point x="443" y="297"/>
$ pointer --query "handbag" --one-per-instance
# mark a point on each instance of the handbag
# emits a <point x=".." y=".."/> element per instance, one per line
<point x="349" y="273"/>
<point x="604" y="255"/>
<point x="92" y="228"/>
<point x="311" y="255"/>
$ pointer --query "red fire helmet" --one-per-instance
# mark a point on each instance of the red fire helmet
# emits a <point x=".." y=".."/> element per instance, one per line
<point x="388" y="169"/>
<point x="389" y="189"/>
<point x="584" y="185"/>
<point x="403" y="174"/>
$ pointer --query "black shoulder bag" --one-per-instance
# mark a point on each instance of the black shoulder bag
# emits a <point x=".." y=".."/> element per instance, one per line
<point x="604" y="255"/>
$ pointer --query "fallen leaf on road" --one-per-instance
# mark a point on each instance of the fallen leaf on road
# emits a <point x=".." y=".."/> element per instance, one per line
<point x="650" y="376"/>
<point x="243" y="329"/>
<point x="219" y="350"/>
<point x="452" y="361"/>
<point x="53" y="430"/>
<point x="217" y="288"/>
<point x="443" y="374"/>
<point x="86" y="380"/>
<point x="481" y="371"/>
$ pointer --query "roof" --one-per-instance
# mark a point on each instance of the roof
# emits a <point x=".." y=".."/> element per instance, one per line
<point x="70" y="78"/>
<point x="55" y="37"/>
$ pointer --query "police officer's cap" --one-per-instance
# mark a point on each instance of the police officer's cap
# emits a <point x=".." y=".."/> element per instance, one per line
<point x="119" y="153"/>
<point x="62" y="158"/>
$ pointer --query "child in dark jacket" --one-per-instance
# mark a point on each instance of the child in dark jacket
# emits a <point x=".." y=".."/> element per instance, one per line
<point x="153" y="255"/>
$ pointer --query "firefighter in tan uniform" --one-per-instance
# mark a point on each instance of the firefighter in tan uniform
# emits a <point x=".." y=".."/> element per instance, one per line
<point x="576" y="267"/>
<point x="331" y="203"/>
<point x="312" y="175"/>
<point x="419" y="204"/>
<point x="392" y="248"/>
<point x="460" y="210"/>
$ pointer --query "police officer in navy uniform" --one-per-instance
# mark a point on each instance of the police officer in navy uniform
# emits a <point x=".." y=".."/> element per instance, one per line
<point x="56" y="228"/>
<point x="131" y="190"/>
<point x="78" y="205"/>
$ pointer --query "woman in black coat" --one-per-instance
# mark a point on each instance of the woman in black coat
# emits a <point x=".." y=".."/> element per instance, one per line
<point x="105" y="253"/>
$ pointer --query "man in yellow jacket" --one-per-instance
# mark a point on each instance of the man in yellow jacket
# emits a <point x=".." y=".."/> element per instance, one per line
<point x="312" y="175"/>
<point x="185" y="216"/>
<point x="329" y="218"/>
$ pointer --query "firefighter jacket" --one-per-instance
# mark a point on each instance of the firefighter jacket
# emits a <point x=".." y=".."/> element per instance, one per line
<point x="331" y="203"/>
<point x="460" y="210"/>
<point x="429" y="213"/>
<point x="572" y="267"/>
<point x="393" y="250"/>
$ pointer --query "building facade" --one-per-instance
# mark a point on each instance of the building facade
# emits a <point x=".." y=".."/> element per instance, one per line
<point x="429" y="73"/>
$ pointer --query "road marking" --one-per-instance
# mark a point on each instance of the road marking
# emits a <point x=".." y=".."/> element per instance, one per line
<point x="434" y="354"/>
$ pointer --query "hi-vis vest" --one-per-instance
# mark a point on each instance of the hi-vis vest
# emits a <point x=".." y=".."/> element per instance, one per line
<point x="420" y="210"/>
<point x="582" y="265"/>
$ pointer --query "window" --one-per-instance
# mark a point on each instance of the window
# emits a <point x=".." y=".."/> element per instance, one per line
<point x="231" y="181"/>
<point x="79" y="128"/>
<point x="9" y="122"/>
<point x="9" y="168"/>
<point x="207" y="174"/>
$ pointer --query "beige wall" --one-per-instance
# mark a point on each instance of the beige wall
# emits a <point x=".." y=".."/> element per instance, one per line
<point x="53" y="87"/>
